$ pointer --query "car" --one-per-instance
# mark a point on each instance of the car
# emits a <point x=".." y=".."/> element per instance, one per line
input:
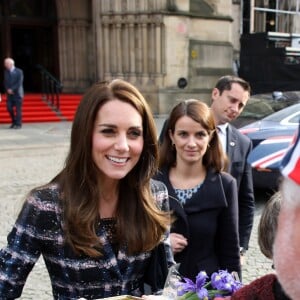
<point x="263" y="105"/>
<point x="282" y="123"/>
<point x="271" y="137"/>
<point x="265" y="160"/>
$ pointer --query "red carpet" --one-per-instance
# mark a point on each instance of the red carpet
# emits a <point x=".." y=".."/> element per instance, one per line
<point x="37" y="110"/>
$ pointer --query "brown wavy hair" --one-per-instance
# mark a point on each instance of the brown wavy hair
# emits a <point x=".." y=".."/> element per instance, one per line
<point x="198" y="111"/>
<point x="140" y="224"/>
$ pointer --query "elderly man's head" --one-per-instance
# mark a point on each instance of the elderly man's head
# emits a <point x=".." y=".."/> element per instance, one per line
<point x="287" y="242"/>
<point x="8" y="63"/>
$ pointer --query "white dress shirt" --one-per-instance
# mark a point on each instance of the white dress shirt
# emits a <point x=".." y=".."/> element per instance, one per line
<point x="222" y="133"/>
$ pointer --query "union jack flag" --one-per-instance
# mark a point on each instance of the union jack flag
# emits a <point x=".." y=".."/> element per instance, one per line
<point x="269" y="153"/>
<point x="290" y="165"/>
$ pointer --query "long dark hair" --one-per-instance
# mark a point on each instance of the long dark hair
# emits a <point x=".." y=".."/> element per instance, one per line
<point x="140" y="225"/>
<point x="200" y="113"/>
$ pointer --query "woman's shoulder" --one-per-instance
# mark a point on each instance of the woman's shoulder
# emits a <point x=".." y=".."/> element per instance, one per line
<point x="226" y="177"/>
<point x="40" y="208"/>
<point x="48" y="192"/>
<point x="44" y="198"/>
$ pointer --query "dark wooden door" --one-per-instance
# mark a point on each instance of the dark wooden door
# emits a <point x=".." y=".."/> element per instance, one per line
<point x="28" y="34"/>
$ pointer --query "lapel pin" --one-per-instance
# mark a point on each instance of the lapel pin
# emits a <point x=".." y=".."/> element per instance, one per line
<point x="232" y="144"/>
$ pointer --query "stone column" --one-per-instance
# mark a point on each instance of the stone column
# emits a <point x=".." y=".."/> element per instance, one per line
<point x="145" y="71"/>
<point x="119" y="49"/>
<point x="131" y="49"/>
<point x="106" y="42"/>
<point x="139" y="52"/>
<point x="125" y="45"/>
<point x="158" y="51"/>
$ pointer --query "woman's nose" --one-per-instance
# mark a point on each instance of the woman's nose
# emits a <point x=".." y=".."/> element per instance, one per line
<point x="191" y="141"/>
<point x="121" y="143"/>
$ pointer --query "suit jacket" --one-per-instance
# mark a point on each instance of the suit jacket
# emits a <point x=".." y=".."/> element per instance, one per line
<point x="14" y="80"/>
<point x="238" y="148"/>
<point x="209" y="221"/>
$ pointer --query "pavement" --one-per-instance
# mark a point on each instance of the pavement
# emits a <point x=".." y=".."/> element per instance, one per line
<point x="32" y="156"/>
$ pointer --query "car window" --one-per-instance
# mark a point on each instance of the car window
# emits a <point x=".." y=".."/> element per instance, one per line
<point x="261" y="106"/>
<point x="257" y="108"/>
<point x="284" y="113"/>
<point x="295" y="119"/>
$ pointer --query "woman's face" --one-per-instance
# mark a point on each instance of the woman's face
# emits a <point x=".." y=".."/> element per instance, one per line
<point x="190" y="140"/>
<point x="117" y="139"/>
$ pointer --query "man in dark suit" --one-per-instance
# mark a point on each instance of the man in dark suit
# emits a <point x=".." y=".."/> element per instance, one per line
<point x="229" y="97"/>
<point x="13" y="84"/>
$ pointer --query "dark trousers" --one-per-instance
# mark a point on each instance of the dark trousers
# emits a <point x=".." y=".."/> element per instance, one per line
<point x="14" y="108"/>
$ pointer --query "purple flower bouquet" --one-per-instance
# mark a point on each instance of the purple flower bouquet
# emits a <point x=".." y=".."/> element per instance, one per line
<point x="221" y="284"/>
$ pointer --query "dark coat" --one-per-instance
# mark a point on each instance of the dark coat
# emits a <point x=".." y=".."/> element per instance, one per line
<point x="14" y="81"/>
<point x="238" y="148"/>
<point x="209" y="221"/>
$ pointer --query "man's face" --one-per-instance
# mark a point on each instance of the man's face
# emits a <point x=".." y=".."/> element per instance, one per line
<point x="227" y="106"/>
<point x="287" y="251"/>
<point x="8" y="64"/>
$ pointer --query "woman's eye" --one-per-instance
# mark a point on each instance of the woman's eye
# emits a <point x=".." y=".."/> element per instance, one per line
<point x="182" y="134"/>
<point x="108" y="131"/>
<point x="201" y="134"/>
<point x="135" y="133"/>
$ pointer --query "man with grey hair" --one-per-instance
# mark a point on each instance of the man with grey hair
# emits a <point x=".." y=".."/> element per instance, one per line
<point x="286" y="248"/>
<point x="13" y="84"/>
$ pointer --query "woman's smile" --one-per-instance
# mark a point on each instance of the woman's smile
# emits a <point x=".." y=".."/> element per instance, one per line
<point x="118" y="160"/>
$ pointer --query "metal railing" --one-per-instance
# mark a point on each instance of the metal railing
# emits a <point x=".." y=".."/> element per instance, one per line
<point x="51" y="88"/>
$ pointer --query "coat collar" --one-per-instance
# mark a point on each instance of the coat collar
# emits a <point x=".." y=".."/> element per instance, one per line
<point x="211" y="191"/>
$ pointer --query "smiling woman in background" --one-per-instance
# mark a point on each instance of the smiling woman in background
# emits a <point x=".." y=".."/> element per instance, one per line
<point x="204" y="236"/>
<point x="98" y="223"/>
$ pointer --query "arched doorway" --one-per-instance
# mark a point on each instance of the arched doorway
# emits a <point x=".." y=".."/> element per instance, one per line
<point x="28" y="34"/>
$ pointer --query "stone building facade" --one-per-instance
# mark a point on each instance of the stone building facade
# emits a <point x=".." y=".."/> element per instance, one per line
<point x="170" y="49"/>
<point x="151" y="43"/>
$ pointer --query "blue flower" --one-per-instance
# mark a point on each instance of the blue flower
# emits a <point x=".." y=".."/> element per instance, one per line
<point x="221" y="284"/>
<point x="224" y="281"/>
<point x="202" y="293"/>
<point x="201" y="279"/>
<point x="185" y="287"/>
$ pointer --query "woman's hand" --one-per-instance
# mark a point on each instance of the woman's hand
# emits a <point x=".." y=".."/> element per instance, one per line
<point x="178" y="242"/>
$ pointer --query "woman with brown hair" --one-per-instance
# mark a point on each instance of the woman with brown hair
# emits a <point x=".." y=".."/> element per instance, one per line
<point x="99" y="223"/>
<point x="204" y="235"/>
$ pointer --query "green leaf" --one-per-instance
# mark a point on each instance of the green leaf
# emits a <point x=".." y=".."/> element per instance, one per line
<point x="192" y="296"/>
